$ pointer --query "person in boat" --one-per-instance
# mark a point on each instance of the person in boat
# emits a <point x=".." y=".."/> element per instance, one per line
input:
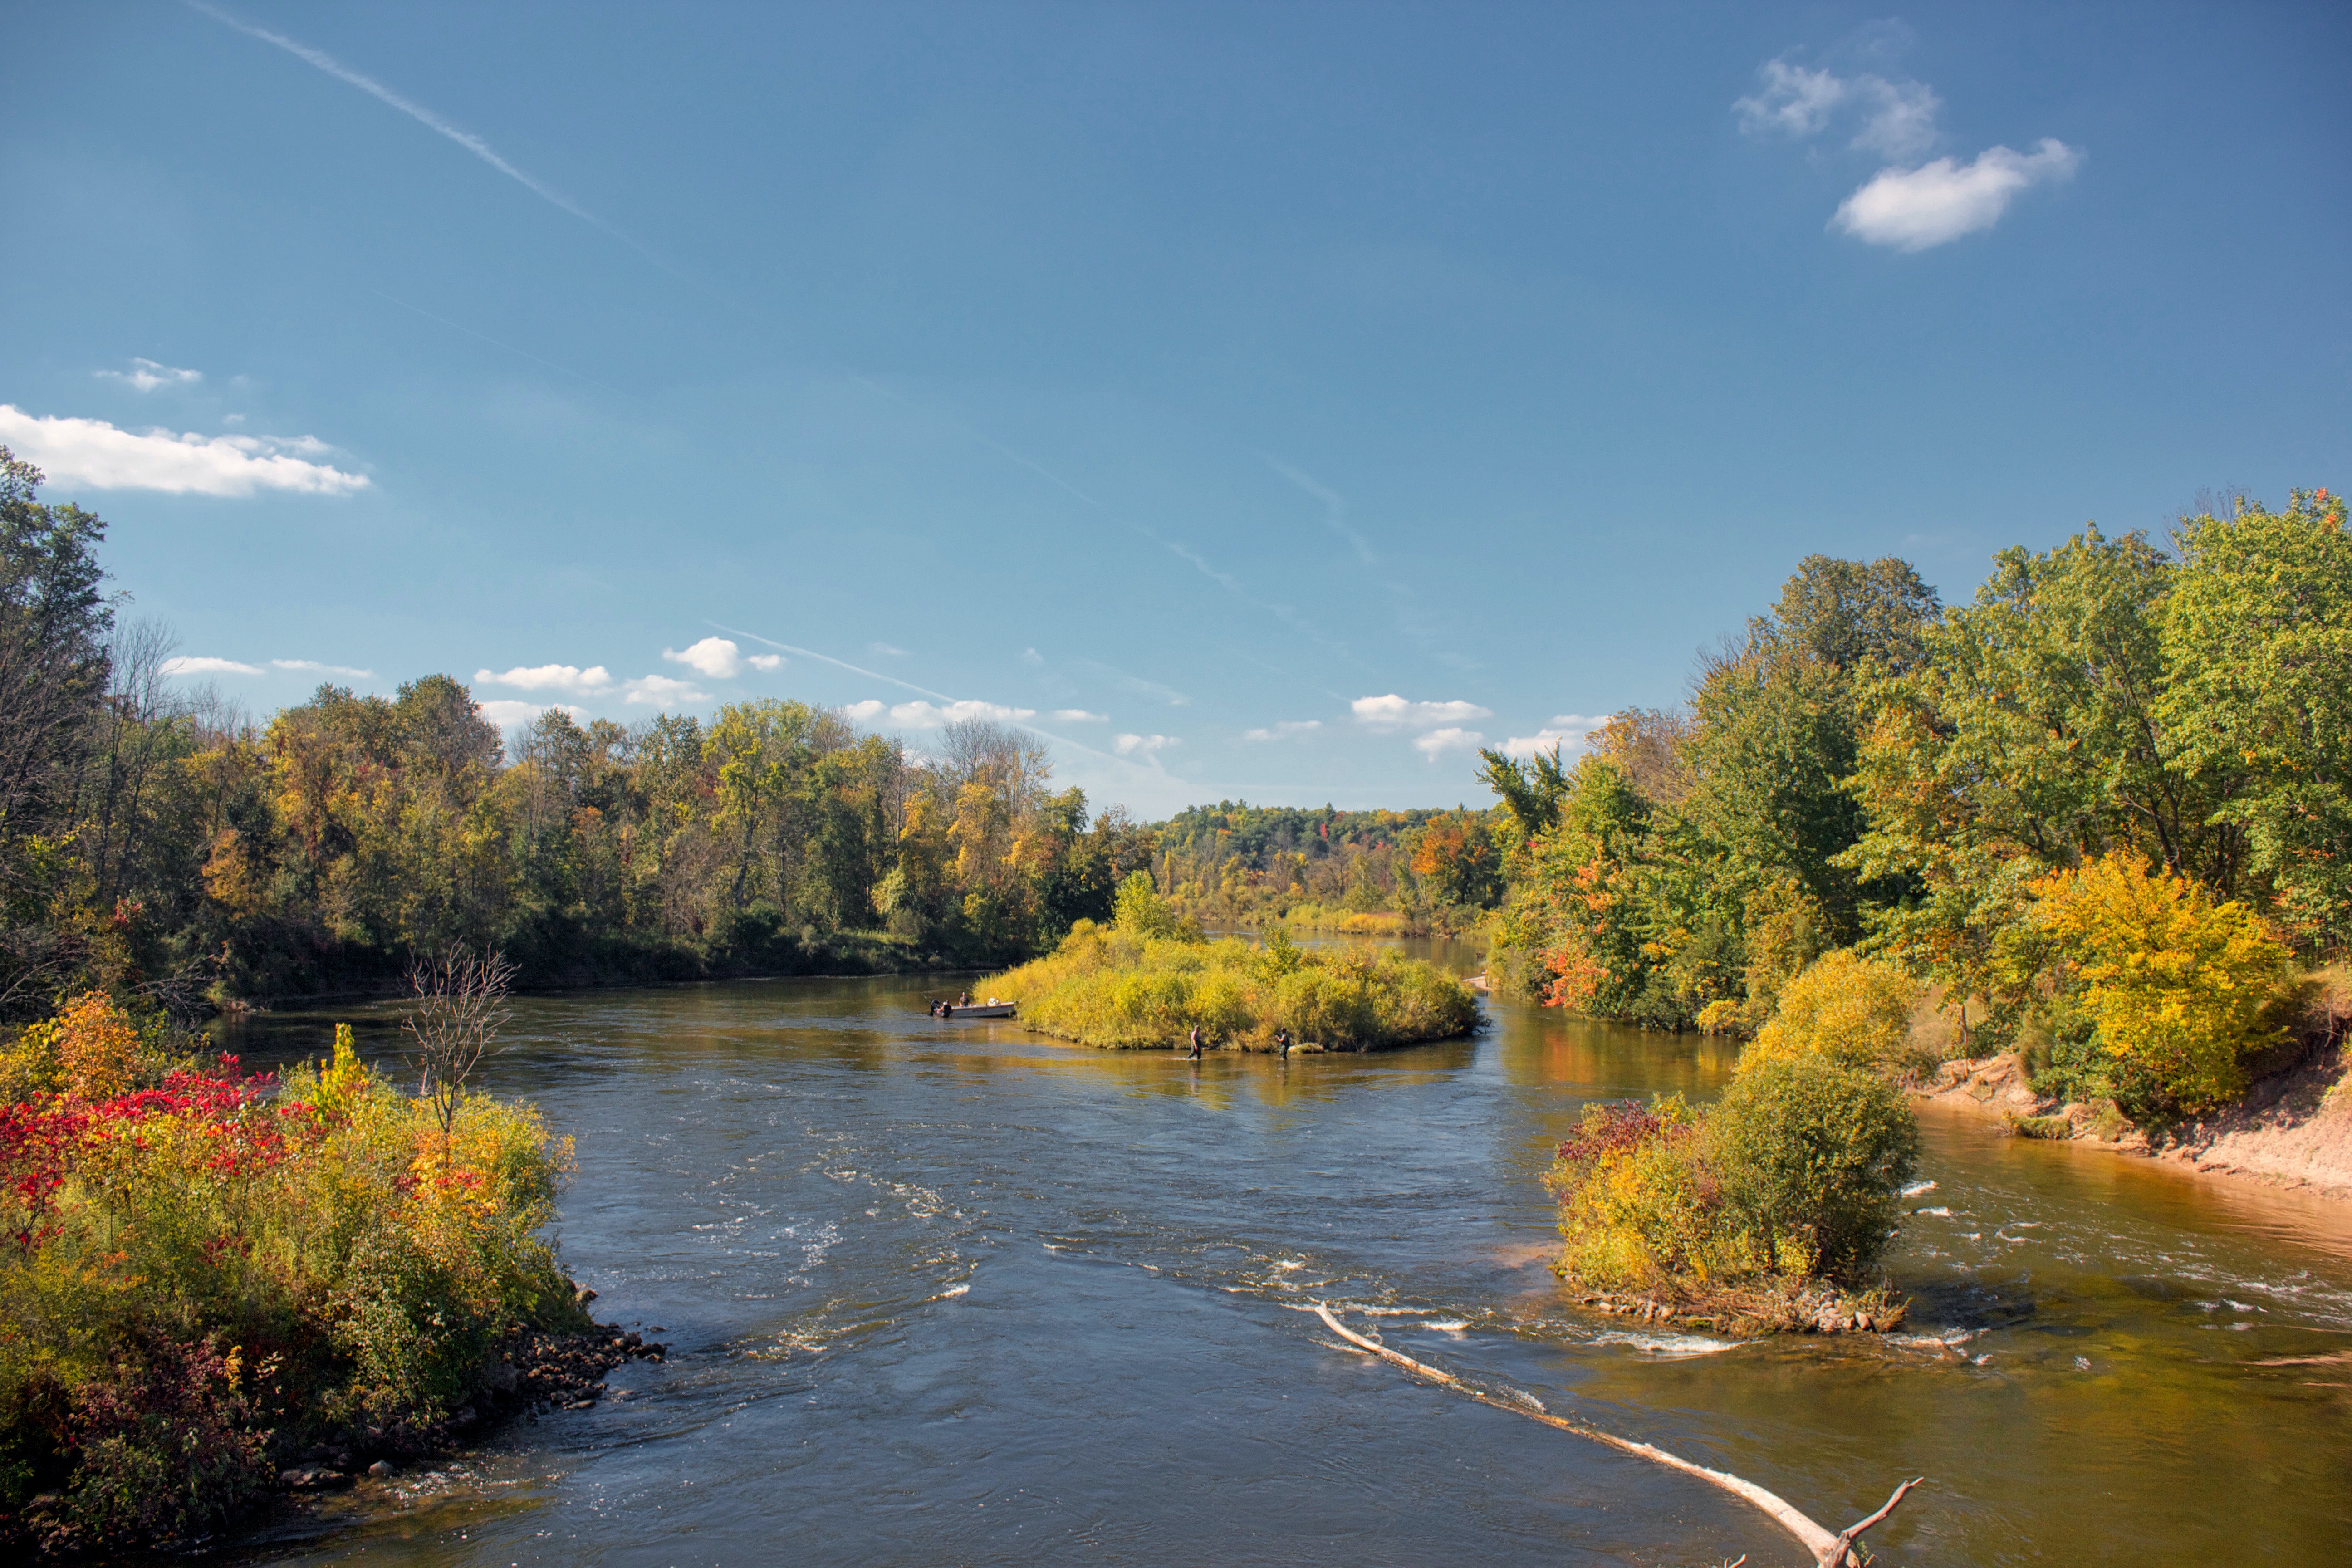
<point x="965" y="1000"/>
<point x="1195" y="1055"/>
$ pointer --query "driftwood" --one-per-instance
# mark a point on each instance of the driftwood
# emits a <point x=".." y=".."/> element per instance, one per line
<point x="1830" y="1551"/>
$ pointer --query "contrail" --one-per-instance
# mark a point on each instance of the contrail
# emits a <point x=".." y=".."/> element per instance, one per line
<point x="414" y="111"/>
<point x="457" y="133"/>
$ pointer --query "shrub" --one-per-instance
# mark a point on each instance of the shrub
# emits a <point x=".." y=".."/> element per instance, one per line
<point x="1849" y="1008"/>
<point x="2180" y="989"/>
<point x="363" y="1250"/>
<point x="172" y="1443"/>
<point x="1813" y="1155"/>
<point x="1639" y="1206"/>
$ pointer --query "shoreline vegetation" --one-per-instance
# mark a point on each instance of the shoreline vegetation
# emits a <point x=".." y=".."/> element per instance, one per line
<point x="2083" y="843"/>
<point x="1149" y="978"/>
<point x="217" y="1286"/>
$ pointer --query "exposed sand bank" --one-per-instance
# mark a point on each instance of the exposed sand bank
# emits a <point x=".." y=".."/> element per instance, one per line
<point x="2292" y="1129"/>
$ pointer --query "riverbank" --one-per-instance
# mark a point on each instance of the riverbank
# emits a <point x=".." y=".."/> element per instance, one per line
<point x="528" y="1373"/>
<point x="2293" y="1128"/>
<point x="840" y="955"/>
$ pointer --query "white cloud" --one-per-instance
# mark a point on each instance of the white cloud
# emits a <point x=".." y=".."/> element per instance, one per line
<point x="1080" y="716"/>
<point x="146" y="376"/>
<point x="313" y="663"/>
<point x="661" y="691"/>
<point x="1898" y="118"/>
<point x="1284" y="730"/>
<point x="715" y="657"/>
<point x="93" y="452"/>
<point x="766" y="663"/>
<point x="885" y="650"/>
<point x="1794" y="102"/>
<point x="861" y="712"/>
<point x="1145" y="746"/>
<point x="1448" y="739"/>
<point x="204" y="664"/>
<point x="507" y="713"/>
<point x="1912" y="210"/>
<point x="590" y="681"/>
<point x="1902" y="121"/>
<point x="921" y="715"/>
<point x="1033" y="658"/>
<point x="1393" y="713"/>
<point x="1565" y="732"/>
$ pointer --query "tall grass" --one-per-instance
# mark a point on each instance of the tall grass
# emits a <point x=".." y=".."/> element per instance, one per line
<point x="199" y="1268"/>
<point x="1117" y="986"/>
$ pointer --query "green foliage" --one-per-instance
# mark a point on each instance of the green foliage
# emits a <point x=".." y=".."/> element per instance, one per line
<point x="2257" y="645"/>
<point x="1866" y="771"/>
<point x="1141" y="912"/>
<point x="1813" y="1155"/>
<point x="1123" y="987"/>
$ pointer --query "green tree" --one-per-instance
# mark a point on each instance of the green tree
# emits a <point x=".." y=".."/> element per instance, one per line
<point x="2030" y="738"/>
<point x="2257" y="646"/>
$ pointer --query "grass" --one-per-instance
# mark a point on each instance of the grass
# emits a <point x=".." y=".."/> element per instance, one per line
<point x="1115" y="987"/>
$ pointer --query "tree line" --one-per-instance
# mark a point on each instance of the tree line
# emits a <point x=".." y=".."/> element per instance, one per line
<point x="2113" y="749"/>
<point x="1237" y="864"/>
<point x="155" y="842"/>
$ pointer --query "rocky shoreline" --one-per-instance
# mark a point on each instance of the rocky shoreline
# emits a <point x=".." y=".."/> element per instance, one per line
<point x="530" y="1372"/>
<point x="1816" y="1309"/>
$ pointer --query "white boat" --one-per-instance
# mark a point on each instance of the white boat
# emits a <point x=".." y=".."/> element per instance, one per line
<point x="992" y="1008"/>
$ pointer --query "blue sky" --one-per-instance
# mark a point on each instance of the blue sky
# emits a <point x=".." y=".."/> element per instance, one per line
<point x="1259" y="401"/>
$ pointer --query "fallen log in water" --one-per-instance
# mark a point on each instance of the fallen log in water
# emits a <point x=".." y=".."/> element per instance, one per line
<point x="1830" y="1551"/>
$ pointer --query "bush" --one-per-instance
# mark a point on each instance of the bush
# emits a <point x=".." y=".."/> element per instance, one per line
<point x="358" y="1254"/>
<point x="1797" y="1172"/>
<point x="1849" y="1008"/>
<point x="1813" y="1155"/>
<point x="1640" y="1208"/>
<point x="2180" y="990"/>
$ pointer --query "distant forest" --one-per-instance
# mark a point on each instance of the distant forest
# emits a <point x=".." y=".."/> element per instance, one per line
<point x="156" y="842"/>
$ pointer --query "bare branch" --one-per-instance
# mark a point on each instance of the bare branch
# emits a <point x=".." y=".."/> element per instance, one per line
<point x="460" y="1007"/>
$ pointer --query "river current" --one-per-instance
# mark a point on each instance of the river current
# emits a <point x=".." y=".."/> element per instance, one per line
<point x="954" y="1293"/>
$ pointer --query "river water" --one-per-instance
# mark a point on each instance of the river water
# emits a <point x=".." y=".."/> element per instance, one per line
<point x="952" y="1293"/>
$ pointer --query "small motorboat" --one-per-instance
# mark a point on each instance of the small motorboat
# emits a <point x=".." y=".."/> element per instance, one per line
<point x="992" y="1008"/>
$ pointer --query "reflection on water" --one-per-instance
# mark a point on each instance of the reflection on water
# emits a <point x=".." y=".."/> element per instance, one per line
<point x="951" y="1292"/>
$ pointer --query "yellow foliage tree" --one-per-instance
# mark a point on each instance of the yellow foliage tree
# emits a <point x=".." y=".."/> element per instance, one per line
<point x="1852" y="1009"/>
<point x="2182" y="989"/>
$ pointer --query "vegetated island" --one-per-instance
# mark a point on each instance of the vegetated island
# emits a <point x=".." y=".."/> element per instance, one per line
<point x="1148" y="979"/>
<point x="216" y="1286"/>
<point x="1768" y="1211"/>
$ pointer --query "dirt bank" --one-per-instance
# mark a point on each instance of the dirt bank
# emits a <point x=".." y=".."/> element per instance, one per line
<point x="2292" y="1129"/>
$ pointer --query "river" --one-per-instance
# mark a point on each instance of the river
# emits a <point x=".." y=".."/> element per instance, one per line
<point x="951" y="1294"/>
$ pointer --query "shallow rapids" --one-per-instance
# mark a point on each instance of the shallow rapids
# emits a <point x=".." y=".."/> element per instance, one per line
<point x="952" y="1293"/>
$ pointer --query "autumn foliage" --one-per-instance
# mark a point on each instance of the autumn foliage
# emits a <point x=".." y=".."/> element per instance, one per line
<point x="198" y="1263"/>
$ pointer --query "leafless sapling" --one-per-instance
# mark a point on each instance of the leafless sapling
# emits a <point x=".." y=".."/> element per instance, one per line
<point x="460" y="1007"/>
